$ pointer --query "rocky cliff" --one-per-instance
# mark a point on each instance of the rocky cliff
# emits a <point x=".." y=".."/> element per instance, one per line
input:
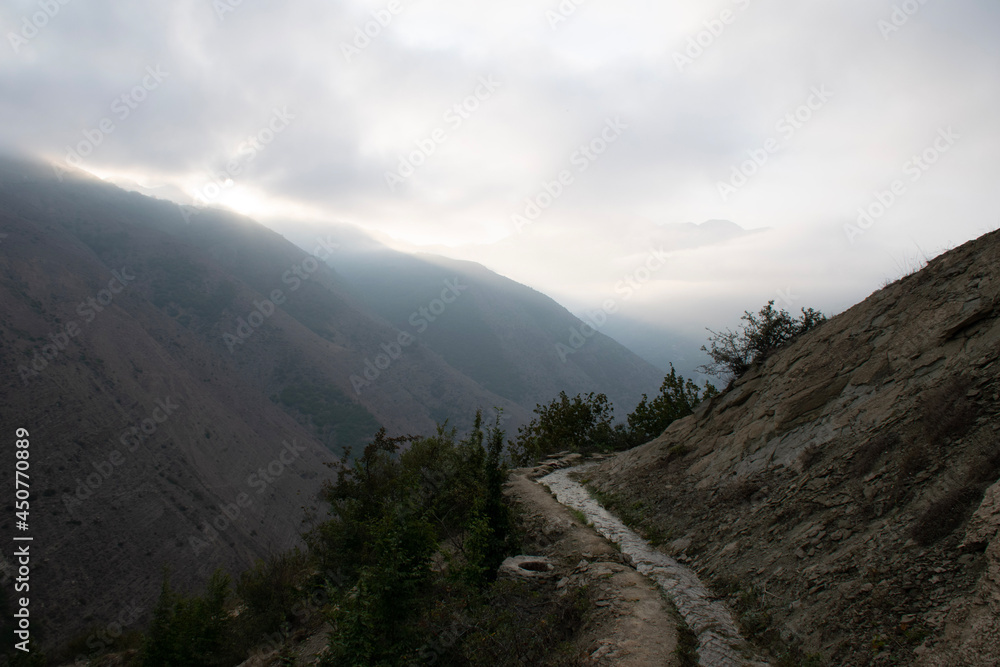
<point x="840" y="495"/>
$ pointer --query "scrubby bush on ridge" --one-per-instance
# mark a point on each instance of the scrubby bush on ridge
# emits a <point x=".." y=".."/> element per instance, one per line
<point x="586" y="423"/>
<point x="733" y="353"/>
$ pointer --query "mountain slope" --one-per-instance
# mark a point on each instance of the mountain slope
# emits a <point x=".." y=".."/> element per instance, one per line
<point x="156" y="440"/>
<point x="183" y="377"/>
<point x="511" y="339"/>
<point x="840" y="477"/>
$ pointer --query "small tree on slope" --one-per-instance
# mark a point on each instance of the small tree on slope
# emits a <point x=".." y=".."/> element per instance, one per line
<point x="733" y="353"/>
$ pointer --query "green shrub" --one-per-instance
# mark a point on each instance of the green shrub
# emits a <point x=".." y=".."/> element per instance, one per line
<point x="192" y="631"/>
<point x="580" y="424"/>
<point x="677" y="398"/>
<point x="733" y="353"/>
<point x="513" y="626"/>
<point x="269" y="591"/>
<point x="391" y="512"/>
<point x="869" y="454"/>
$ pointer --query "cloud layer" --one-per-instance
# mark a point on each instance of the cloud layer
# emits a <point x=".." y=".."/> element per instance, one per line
<point x="481" y="129"/>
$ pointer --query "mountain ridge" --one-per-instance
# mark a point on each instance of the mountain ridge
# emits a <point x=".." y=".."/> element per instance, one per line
<point x="189" y="376"/>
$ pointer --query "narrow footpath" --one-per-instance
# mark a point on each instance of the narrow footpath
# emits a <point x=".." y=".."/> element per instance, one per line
<point x="719" y="640"/>
<point x="629" y="623"/>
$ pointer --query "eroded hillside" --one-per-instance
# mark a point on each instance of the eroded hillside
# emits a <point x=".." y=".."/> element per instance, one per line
<point x="184" y="376"/>
<point x="827" y="494"/>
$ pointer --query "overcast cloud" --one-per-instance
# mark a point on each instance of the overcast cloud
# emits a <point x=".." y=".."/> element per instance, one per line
<point x="333" y="113"/>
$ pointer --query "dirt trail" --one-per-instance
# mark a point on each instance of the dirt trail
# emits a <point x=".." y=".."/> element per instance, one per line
<point x="631" y="624"/>
<point x="719" y="641"/>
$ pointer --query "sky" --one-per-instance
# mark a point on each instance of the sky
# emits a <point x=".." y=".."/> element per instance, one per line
<point x="679" y="161"/>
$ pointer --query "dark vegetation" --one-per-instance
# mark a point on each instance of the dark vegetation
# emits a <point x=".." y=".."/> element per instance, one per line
<point x="948" y="415"/>
<point x="184" y="289"/>
<point x="947" y="412"/>
<point x="753" y="611"/>
<point x="403" y="568"/>
<point x="585" y="424"/>
<point x="734" y="353"/>
<point x="677" y="398"/>
<point x="340" y="423"/>
<point x="869" y="454"/>
<point x="580" y="424"/>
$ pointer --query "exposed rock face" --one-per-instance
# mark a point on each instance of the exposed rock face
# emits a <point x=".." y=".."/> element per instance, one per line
<point x="839" y="474"/>
<point x="972" y="635"/>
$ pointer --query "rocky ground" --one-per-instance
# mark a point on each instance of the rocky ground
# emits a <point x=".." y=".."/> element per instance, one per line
<point x="630" y="622"/>
<point x="827" y="494"/>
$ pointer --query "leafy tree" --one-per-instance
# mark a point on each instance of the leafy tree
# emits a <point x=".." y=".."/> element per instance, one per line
<point x="190" y="631"/>
<point x="391" y="512"/>
<point x="677" y="398"/>
<point x="269" y="592"/>
<point x="733" y="353"/>
<point x="494" y="510"/>
<point x="404" y="505"/>
<point x="579" y="424"/>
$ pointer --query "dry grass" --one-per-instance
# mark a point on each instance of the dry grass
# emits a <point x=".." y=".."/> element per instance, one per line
<point x="913" y="460"/>
<point x="946" y="412"/>
<point x="740" y="491"/>
<point x="984" y="467"/>
<point x="869" y="454"/>
<point x="943" y="516"/>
